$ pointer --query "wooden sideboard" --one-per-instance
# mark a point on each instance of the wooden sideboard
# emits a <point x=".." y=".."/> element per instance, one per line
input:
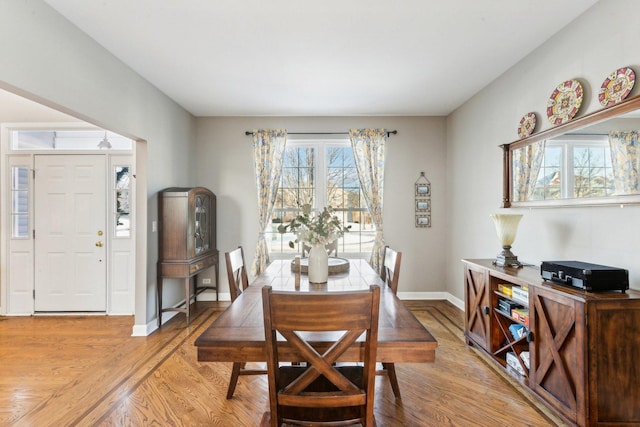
<point x="583" y="348"/>
<point x="187" y="241"/>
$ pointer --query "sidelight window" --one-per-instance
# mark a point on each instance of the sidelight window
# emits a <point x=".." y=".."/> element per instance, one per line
<point x="20" y="202"/>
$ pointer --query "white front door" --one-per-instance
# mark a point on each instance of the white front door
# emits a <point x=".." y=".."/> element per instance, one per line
<point x="70" y="233"/>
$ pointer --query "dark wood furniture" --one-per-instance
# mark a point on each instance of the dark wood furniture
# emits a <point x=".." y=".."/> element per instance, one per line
<point x="583" y="347"/>
<point x="187" y="241"/>
<point x="238" y="333"/>
<point x="320" y="392"/>
<point x="238" y="282"/>
<point x="236" y="272"/>
<point x="390" y="274"/>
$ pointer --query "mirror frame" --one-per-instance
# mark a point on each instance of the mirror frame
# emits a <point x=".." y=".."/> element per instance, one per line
<point x="626" y="106"/>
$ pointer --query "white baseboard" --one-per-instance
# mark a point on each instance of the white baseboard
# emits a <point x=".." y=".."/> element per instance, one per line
<point x="432" y="296"/>
<point x="211" y="296"/>
<point x="151" y="326"/>
<point x="456" y="301"/>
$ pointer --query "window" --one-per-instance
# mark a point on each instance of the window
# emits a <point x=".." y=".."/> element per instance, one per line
<point x="321" y="173"/>
<point x="122" y="191"/>
<point x="585" y="161"/>
<point x="26" y="139"/>
<point x="20" y="202"/>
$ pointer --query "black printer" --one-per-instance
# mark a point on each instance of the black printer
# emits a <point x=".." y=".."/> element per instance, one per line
<point x="583" y="275"/>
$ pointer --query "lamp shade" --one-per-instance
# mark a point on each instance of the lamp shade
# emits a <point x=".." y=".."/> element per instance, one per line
<point x="506" y="227"/>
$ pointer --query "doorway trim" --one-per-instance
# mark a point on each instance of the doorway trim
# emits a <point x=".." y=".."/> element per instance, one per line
<point x="16" y="298"/>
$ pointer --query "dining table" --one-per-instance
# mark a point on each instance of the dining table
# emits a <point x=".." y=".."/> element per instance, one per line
<point x="237" y="335"/>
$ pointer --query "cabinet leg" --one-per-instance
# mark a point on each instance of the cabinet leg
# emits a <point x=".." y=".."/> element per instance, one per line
<point x="159" y="301"/>
<point x="217" y="272"/>
<point x="187" y="291"/>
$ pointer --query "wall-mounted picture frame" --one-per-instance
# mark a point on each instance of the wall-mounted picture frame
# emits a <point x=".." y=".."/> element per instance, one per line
<point x="423" y="221"/>
<point x="423" y="190"/>
<point x="423" y="205"/>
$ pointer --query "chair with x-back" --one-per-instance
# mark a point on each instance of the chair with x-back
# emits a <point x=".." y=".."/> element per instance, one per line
<point x="390" y="273"/>
<point x="320" y="392"/>
<point x="238" y="282"/>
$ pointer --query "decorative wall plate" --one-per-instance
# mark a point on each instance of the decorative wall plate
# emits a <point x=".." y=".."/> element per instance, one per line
<point x="564" y="102"/>
<point x="616" y="86"/>
<point x="527" y="125"/>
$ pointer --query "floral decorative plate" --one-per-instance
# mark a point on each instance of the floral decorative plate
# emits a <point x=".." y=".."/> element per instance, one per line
<point x="527" y="125"/>
<point x="616" y="86"/>
<point x="564" y="102"/>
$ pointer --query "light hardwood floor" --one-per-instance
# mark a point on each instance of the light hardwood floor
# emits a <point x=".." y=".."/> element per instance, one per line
<point x="86" y="371"/>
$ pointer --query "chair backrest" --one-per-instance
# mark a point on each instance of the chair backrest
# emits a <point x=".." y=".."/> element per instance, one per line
<point x="332" y="249"/>
<point x="390" y="272"/>
<point x="236" y="272"/>
<point x="321" y="391"/>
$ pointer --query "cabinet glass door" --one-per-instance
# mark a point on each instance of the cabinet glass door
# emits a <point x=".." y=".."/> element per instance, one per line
<point x="202" y="236"/>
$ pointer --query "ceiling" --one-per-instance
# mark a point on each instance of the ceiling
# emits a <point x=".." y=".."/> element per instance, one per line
<point x="322" y="58"/>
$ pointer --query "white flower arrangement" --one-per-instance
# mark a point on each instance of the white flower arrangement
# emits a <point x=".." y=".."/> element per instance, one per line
<point x="320" y="229"/>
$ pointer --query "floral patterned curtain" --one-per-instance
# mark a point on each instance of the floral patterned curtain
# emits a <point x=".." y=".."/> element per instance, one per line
<point x="369" y="151"/>
<point x="526" y="167"/>
<point x="268" y="152"/>
<point x="625" y="160"/>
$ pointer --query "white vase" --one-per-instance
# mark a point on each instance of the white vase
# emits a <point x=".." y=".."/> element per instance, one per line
<point x="318" y="264"/>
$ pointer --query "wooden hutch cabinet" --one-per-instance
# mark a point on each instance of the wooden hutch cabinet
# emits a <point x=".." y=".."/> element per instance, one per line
<point x="578" y="351"/>
<point x="187" y="239"/>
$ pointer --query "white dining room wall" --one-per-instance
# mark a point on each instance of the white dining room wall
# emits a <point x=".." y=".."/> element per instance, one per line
<point x="225" y="164"/>
<point x="597" y="43"/>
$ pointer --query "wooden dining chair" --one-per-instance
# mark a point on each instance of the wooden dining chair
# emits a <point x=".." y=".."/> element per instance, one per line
<point x="390" y="273"/>
<point x="332" y="249"/>
<point x="321" y="392"/>
<point x="238" y="282"/>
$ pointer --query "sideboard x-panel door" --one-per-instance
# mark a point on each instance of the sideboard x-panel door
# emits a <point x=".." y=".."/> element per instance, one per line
<point x="557" y="351"/>
<point x="477" y="305"/>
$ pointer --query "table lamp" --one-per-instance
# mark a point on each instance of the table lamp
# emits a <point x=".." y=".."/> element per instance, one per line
<point x="506" y="227"/>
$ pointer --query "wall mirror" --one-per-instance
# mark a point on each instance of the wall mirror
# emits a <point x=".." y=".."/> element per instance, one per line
<point x="592" y="160"/>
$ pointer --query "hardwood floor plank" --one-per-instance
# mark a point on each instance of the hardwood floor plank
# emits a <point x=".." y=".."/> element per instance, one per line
<point x="88" y="371"/>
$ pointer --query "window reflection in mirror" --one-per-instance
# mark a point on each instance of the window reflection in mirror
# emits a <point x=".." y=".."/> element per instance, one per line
<point x="584" y="165"/>
<point x="569" y="166"/>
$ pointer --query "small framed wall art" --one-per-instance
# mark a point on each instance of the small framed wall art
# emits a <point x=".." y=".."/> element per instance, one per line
<point x="422" y="203"/>
<point x="423" y="190"/>
<point x="423" y="220"/>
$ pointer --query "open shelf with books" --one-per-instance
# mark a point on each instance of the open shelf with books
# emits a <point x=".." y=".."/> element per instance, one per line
<point x="509" y="328"/>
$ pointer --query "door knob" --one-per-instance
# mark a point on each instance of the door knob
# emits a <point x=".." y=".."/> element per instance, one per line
<point x="99" y="244"/>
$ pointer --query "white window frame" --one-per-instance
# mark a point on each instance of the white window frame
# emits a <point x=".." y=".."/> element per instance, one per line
<point x="567" y="143"/>
<point x="320" y="146"/>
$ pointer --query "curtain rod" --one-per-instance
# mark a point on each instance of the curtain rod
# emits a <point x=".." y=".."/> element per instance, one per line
<point x="321" y="133"/>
